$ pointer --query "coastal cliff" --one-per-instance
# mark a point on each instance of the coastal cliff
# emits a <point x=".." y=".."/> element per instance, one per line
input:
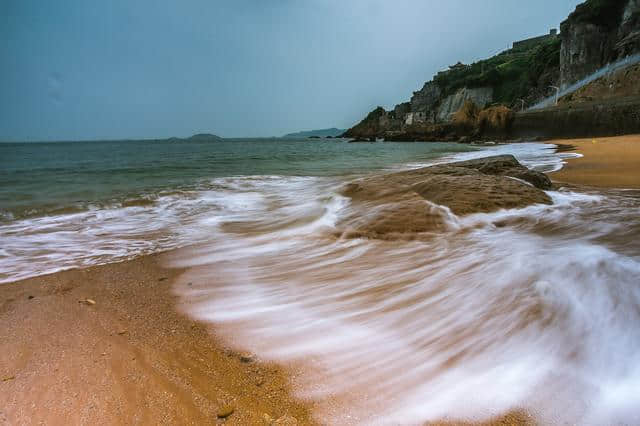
<point x="595" y="34"/>
<point x="598" y="32"/>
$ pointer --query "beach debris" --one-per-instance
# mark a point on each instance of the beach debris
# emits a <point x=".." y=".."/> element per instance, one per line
<point x="286" y="420"/>
<point x="225" y="411"/>
<point x="122" y="331"/>
<point x="87" y="301"/>
<point x="246" y="357"/>
<point x="162" y="278"/>
<point x="30" y="297"/>
<point x="6" y="379"/>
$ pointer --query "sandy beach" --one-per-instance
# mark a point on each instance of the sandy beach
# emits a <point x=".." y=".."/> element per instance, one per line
<point x="110" y="344"/>
<point x="106" y="345"/>
<point x="612" y="162"/>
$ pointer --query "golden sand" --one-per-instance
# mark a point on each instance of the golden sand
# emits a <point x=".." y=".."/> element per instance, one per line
<point x="105" y="345"/>
<point x="612" y="162"/>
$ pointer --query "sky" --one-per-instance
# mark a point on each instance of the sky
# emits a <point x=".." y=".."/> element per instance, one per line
<point x="116" y="69"/>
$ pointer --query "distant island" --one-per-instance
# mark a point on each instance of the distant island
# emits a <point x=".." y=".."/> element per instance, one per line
<point x="200" y="137"/>
<point x="322" y="133"/>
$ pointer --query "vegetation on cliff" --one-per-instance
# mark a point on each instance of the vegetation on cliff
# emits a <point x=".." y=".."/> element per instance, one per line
<point x="603" y="13"/>
<point x="511" y="74"/>
<point x="369" y="127"/>
<point x="445" y="108"/>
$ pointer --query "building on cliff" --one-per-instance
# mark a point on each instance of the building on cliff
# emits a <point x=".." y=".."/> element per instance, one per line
<point x="533" y="41"/>
<point x="597" y="33"/>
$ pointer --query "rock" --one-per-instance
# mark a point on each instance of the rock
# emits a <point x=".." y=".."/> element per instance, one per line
<point x="88" y="301"/>
<point x="162" y="278"/>
<point x="121" y="332"/>
<point x="286" y="420"/>
<point x="6" y="379"/>
<point x="30" y="297"/>
<point x="247" y="357"/>
<point x="506" y="165"/>
<point x="225" y="411"/>
<point x="393" y="205"/>
<point x="480" y="96"/>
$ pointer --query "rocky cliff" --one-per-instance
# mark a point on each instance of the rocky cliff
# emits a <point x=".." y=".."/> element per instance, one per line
<point x="596" y="33"/>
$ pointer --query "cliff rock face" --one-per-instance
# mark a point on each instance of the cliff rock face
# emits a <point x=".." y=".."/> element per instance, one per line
<point x="375" y="124"/>
<point x="596" y="33"/>
<point x="426" y="98"/>
<point x="481" y="96"/>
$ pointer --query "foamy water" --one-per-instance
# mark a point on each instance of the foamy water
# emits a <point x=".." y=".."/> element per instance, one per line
<point x="533" y="309"/>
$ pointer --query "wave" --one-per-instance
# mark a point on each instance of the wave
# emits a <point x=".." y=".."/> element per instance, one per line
<point x="530" y="308"/>
<point x="517" y="309"/>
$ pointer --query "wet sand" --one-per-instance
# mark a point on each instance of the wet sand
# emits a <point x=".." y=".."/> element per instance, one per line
<point x="612" y="162"/>
<point x="130" y="358"/>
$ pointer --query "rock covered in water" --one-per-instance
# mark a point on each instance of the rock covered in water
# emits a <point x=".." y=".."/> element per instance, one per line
<point x="506" y="165"/>
<point x="404" y="204"/>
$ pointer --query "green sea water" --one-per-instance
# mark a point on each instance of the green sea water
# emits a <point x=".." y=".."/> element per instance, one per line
<point x="39" y="179"/>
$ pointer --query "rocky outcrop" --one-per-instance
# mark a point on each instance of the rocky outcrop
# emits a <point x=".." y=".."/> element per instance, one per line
<point x="370" y="127"/>
<point x="480" y="96"/>
<point x="427" y="98"/>
<point x="596" y="33"/>
<point x="417" y="202"/>
<point x="506" y="165"/>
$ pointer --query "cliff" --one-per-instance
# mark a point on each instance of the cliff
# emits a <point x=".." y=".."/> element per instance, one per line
<point x="596" y="33"/>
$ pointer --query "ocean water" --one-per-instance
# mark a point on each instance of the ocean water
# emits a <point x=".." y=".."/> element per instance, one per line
<point x="535" y="308"/>
<point x="68" y="204"/>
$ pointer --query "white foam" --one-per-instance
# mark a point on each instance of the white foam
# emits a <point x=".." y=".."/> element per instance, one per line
<point x="472" y="323"/>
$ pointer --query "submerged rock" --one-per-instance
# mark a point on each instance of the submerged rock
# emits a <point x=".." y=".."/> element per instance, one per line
<point x="404" y="204"/>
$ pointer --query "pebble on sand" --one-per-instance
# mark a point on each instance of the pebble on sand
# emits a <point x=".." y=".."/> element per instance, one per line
<point x="225" y="411"/>
<point x="246" y="357"/>
<point x="286" y="420"/>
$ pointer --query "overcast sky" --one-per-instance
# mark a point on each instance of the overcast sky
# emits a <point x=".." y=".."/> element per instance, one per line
<point x="81" y="69"/>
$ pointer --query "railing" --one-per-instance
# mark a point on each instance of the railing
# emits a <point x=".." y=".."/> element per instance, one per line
<point x="622" y="63"/>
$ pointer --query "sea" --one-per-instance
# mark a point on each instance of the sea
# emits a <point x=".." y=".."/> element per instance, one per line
<point x="533" y="309"/>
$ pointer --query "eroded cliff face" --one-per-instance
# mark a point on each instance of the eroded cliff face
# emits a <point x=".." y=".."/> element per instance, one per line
<point x="481" y="97"/>
<point x="598" y="32"/>
<point x="427" y="98"/>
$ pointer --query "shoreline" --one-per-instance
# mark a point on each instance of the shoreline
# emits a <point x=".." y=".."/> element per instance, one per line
<point x="610" y="162"/>
<point x="137" y="356"/>
<point x="132" y="357"/>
